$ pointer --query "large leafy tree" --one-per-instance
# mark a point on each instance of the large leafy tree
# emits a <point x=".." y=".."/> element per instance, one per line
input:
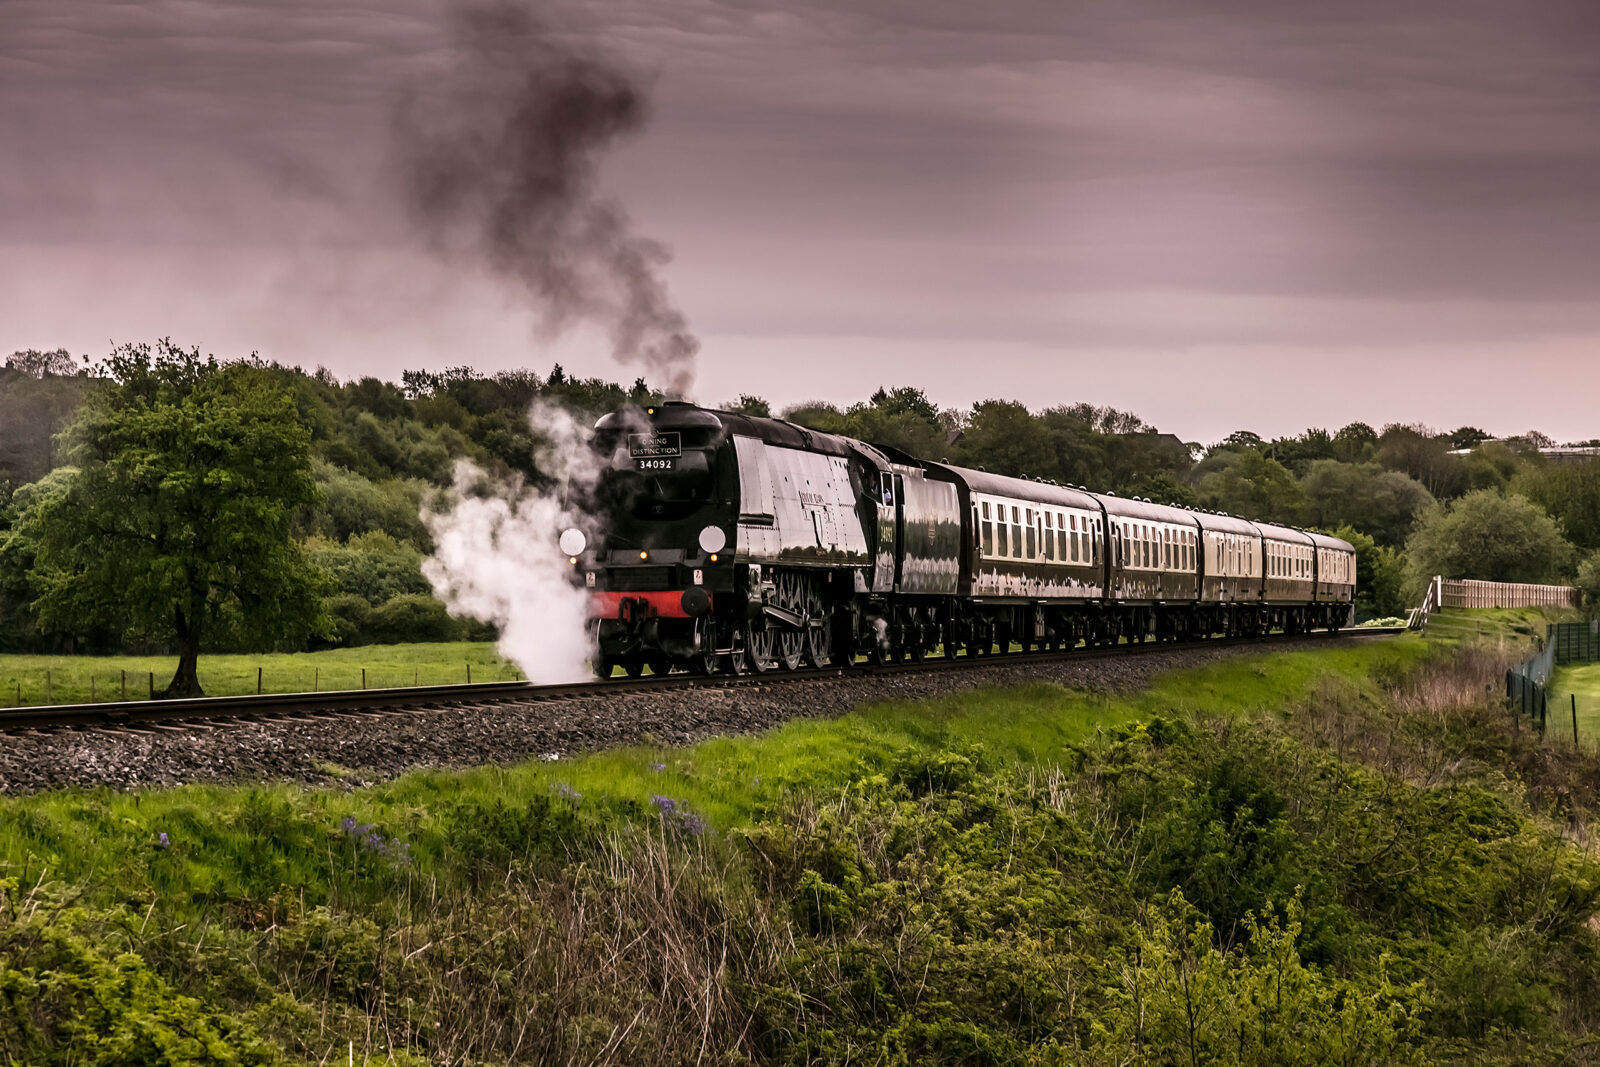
<point x="1491" y="536"/>
<point x="189" y="472"/>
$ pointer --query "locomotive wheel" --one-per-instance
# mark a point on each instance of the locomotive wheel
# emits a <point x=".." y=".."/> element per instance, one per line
<point x="633" y="666"/>
<point x="658" y="664"/>
<point x="602" y="666"/>
<point x="790" y="643"/>
<point x="915" y="639"/>
<point x="704" y="659"/>
<point x="738" y="661"/>
<point x="819" y="628"/>
<point x="758" y="646"/>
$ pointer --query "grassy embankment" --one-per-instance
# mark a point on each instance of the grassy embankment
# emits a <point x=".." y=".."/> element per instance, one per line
<point x="80" y="679"/>
<point x="1188" y="874"/>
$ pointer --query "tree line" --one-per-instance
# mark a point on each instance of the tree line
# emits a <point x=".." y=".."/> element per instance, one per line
<point x="165" y="500"/>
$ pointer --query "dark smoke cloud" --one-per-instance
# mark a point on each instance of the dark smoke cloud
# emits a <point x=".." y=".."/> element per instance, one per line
<point x="500" y="158"/>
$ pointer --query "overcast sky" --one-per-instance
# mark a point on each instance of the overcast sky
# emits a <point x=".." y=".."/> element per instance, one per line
<point x="1258" y="215"/>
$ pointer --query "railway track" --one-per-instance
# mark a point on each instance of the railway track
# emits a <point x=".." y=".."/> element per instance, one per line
<point x="187" y="715"/>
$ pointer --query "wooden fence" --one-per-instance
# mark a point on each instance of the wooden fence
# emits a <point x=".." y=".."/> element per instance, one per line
<point x="1467" y="593"/>
<point x="1470" y="593"/>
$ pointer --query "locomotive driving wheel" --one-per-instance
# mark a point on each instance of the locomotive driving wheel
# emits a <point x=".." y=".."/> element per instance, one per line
<point x="790" y="641"/>
<point x="819" y="626"/>
<point x="758" y="645"/>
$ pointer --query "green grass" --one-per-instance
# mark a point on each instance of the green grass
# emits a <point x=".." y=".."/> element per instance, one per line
<point x="1582" y="682"/>
<point x="82" y="679"/>
<point x="1454" y="625"/>
<point x="233" y="842"/>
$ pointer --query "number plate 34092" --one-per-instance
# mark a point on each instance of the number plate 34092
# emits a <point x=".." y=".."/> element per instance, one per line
<point x="656" y="464"/>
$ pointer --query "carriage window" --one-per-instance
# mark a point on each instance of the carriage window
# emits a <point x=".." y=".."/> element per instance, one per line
<point x="988" y="538"/>
<point x="1016" y="540"/>
<point x="1032" y="542"/>
<point x="1004" y="547"/>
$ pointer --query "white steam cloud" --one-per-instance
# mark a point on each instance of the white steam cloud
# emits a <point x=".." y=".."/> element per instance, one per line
<point x="496" y="556"/>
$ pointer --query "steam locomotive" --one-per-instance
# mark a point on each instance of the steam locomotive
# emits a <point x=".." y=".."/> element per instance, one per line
<point x="729" y="543"/>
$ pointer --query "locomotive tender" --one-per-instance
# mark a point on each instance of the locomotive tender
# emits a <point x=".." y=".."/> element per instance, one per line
<point x="735" y="543"/>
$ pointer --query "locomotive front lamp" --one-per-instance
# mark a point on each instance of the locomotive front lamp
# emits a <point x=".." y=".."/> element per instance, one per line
<point x="573" y="560"/>
<point x="713" y="557"/>
<point x="713" y="539"/>
<point x="644" y="555"/>
<point x="573" y="542"/>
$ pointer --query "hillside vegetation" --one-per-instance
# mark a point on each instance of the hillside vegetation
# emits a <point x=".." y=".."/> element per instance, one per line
<point x="1346" y="856"/>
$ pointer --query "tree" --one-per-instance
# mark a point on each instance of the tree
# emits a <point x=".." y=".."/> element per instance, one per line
<point x="1467" y="437"/>
<point x="1380" y="576"/>
<point x="37" y="364"/>
<point x="1489" y="536"/>
<point x="1355" y="443"/>
<point x="1570" y="492"/>
<point x="189" y="474"/>
<point x="1250" y="485"/>
<point x="1004" y="438"/>
<point x="749" y="405"/>
<point x="1589" y="581"/>
<point x="1380" y="502"/>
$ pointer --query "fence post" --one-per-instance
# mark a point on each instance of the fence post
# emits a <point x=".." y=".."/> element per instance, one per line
<point x="363" y="677"/>
<point x="124" y="685"/>
<point x="152" y="685"/>
<point x="49" y="690"/>
<point x="19" y="694"/>
<point x="1574" y="720"/>
<point x="258" y="681"/>
<point x="316" y="679"/>
<point x="469" y="674"/>
<point x="92" y="698"/>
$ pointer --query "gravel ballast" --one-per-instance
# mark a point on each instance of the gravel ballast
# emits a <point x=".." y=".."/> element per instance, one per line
<point x="353" y="749"/>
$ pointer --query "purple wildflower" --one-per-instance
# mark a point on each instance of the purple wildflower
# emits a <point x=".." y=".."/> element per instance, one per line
<point x="665" y="805"/>
<point x="692" y="824"/>
<point x="566" y="792"/>
<point x="658" y="767"/>
<point x="165" y="843"/>
<point x="349" y="824"/>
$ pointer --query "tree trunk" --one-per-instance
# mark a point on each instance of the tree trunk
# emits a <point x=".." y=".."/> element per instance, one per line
<point x="186" y="681"/>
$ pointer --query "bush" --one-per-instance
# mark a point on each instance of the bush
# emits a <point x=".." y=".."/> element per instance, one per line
<point x="71" y="994"/>
<point x="412" y="617"/>
<point x="351" y="616"/>
<point x="373" y="566"/>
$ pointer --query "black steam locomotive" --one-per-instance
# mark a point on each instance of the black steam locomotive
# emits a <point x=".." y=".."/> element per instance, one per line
<point x="732" y="543"/>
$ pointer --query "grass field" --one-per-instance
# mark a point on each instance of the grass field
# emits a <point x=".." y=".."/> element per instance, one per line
<point x="1582" y="682"/>
<point x="28" y="680"/>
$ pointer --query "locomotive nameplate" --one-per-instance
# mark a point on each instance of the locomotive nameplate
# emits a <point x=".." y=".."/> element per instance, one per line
<point x="655" y="451"/>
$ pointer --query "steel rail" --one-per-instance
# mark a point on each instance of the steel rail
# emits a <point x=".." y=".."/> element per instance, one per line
<point x="269" y="706"/>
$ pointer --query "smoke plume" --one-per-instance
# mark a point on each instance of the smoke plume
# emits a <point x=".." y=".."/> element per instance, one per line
<point x="499" y="156"/>
<point x="496" y="556"/>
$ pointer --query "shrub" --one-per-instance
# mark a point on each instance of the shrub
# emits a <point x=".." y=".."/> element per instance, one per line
<point x="412" y="617"/>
